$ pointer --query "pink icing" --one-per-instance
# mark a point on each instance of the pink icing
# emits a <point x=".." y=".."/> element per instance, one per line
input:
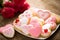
<point x="5" y="27"/>
<point x="43" y="14"/>
<point x="51" y="19"/>
<point x="35" y="23"/>
<point x="35" y="32"/>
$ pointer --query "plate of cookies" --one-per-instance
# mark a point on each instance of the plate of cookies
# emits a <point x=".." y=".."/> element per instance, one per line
<point x="37" y="23"/>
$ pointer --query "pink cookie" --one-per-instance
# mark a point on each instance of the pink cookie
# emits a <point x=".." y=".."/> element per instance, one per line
<point x="7" y="30"/>
<point x="51" y="19"/>
<point x="27" y="14"/>
<point x="21" y="26"/>
<point x="44" y="14"/>
<point x="35" y="32"/>
<point x="35" y="21"/>
<point x="25" y="28"/>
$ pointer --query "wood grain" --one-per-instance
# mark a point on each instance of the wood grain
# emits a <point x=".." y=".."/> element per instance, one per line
<point x="52" y="5"/>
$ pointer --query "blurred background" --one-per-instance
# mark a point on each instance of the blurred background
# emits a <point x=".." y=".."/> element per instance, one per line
<point x="52" y="5"/>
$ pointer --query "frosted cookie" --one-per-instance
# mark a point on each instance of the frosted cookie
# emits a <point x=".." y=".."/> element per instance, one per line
<point x="57" y="17"/>
<point x="25" y="28"/>
<point x="44" y="14"/>
<point x="20" y="27"/>
<point x="51" y="19"/>
<point x="27" y="14"/>
<point x="7" y="30"/>
<point x="35" y="32"/>
<point x="46" y="31"/>
<point x="36" y="21"/>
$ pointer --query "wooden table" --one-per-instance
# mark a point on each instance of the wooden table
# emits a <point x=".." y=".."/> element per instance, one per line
<point x="52" y="5"/>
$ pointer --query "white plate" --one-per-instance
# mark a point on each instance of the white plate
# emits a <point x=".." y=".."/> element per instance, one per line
<point x="39" y="37"/>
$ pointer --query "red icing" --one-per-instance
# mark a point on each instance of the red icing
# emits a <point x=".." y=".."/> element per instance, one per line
<point x="45" y="30"/>
<point x="16" y="21"/>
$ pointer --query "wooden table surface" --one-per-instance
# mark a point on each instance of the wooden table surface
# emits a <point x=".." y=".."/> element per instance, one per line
<point x="52" y="5"/>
